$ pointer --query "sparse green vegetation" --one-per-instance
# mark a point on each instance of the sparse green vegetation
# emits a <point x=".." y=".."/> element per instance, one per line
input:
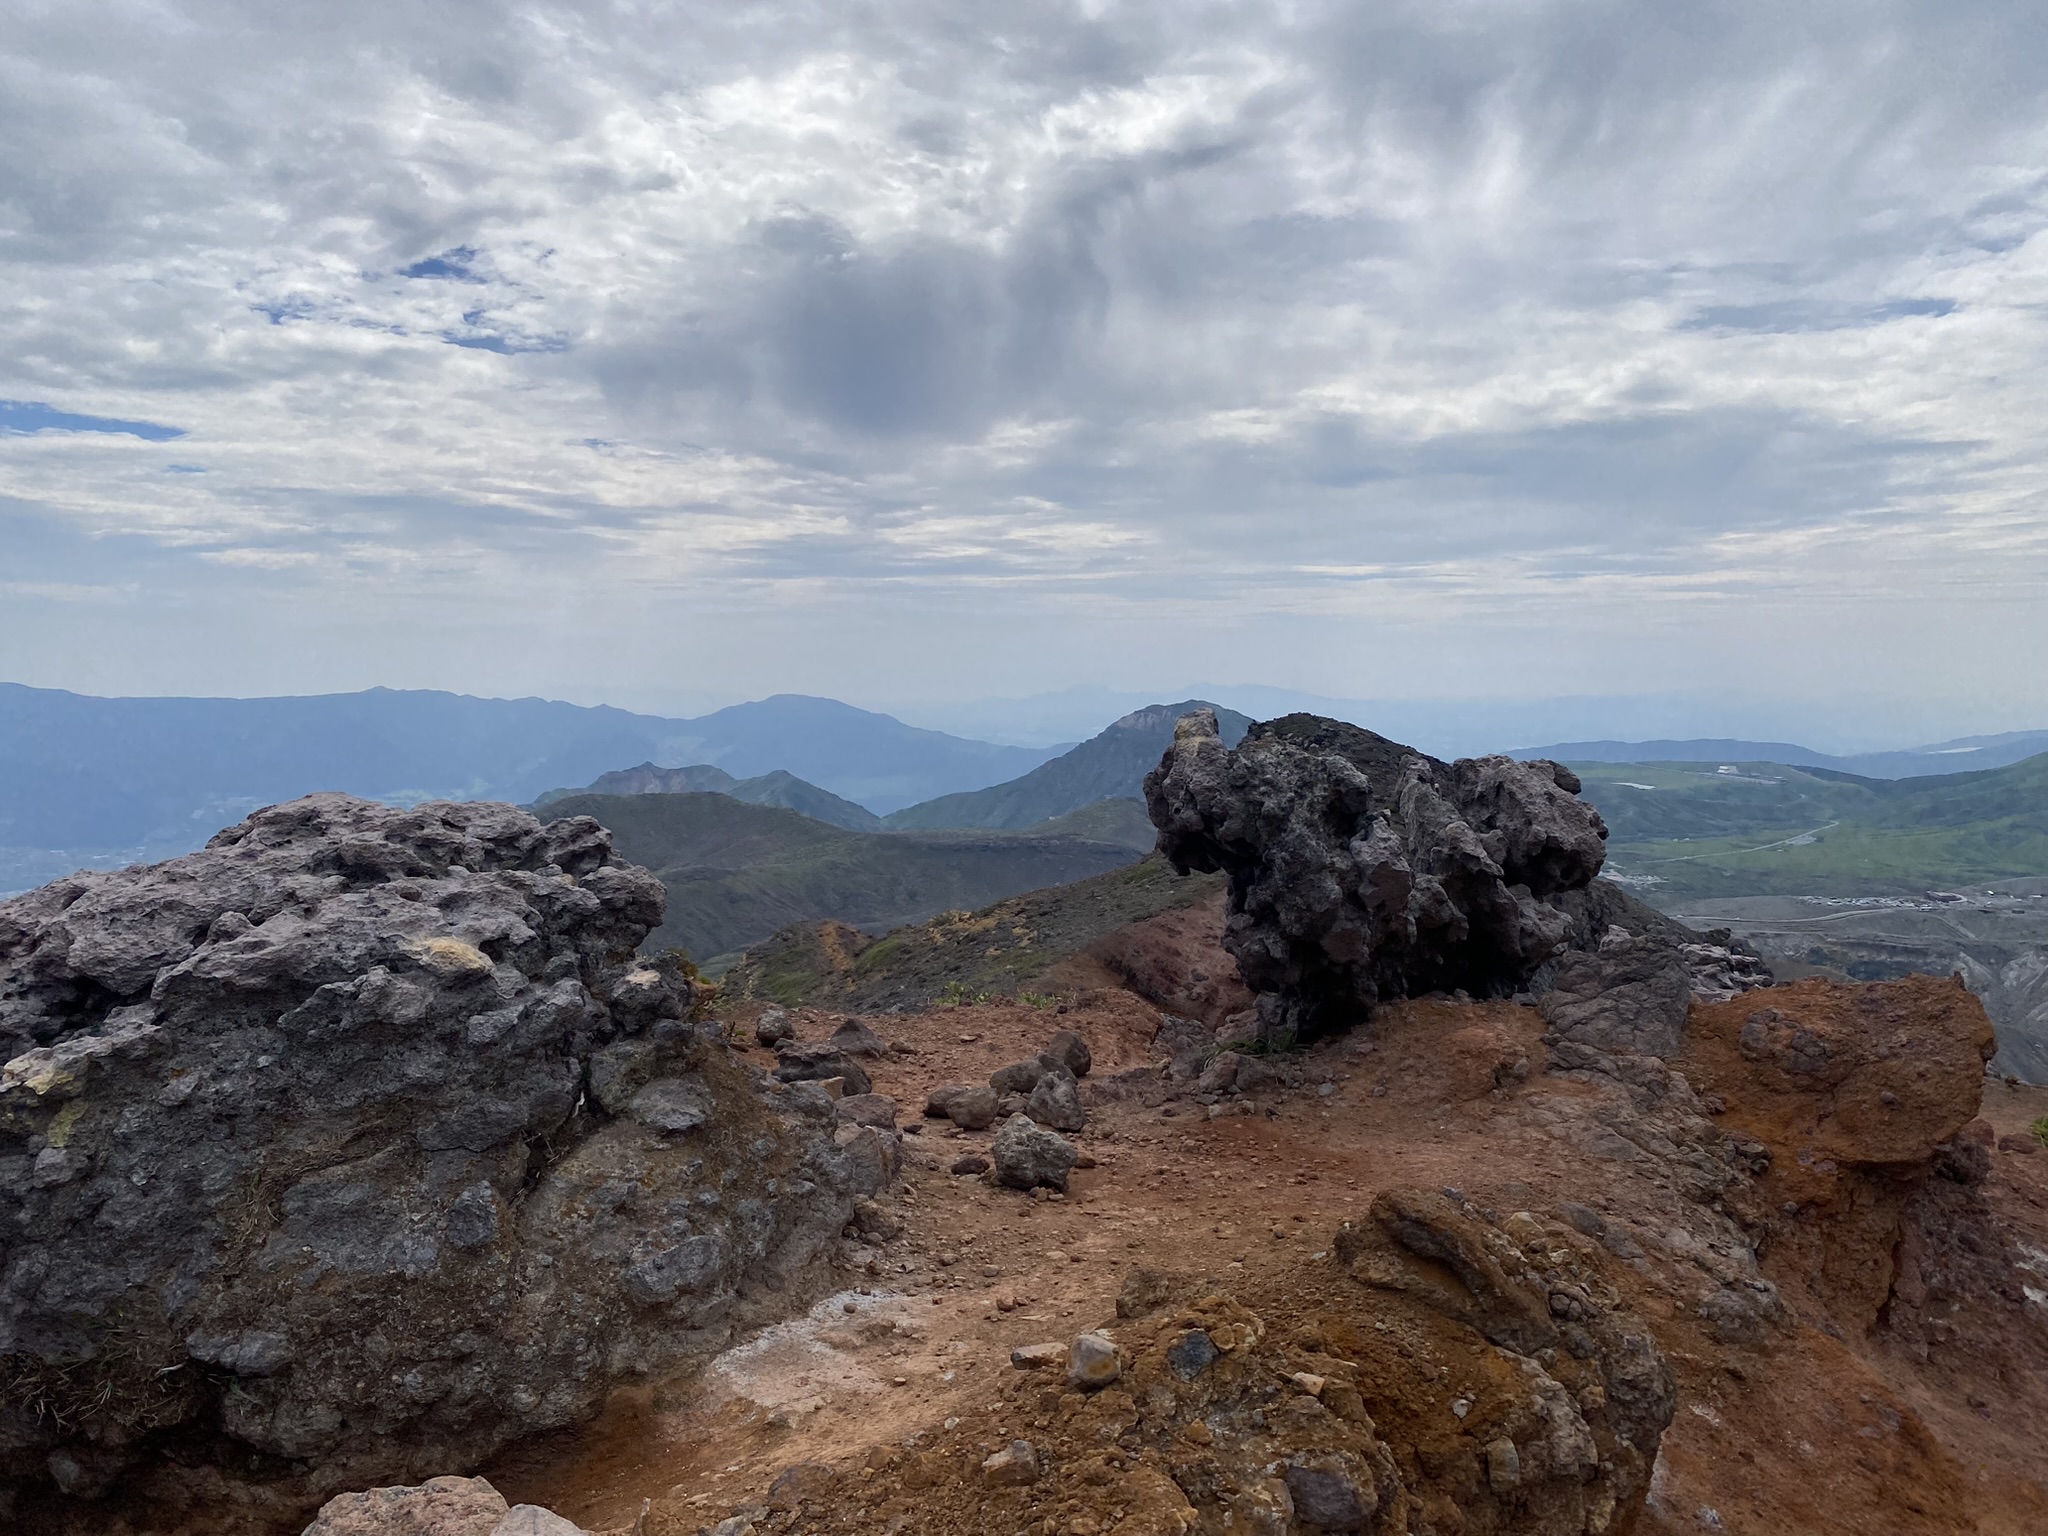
<point x="2039" y="1130"/>
<point x="1248" y="1046"/>
<point x="1766" y="829"/>
<point x="1002" y="950"/>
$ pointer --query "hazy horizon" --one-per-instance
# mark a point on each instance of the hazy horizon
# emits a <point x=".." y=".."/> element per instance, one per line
<point x="1444" y="726"/>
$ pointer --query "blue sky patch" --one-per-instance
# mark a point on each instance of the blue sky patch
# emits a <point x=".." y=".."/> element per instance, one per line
<point x="21" y="417"/>
<point x="297" y="307"/>
<point x="1786" y="316"/>
<point x="458" y="264"/>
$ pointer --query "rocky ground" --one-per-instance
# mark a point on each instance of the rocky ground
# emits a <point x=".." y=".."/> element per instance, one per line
<point x="1880" y="1370"/>
<point x="362" y="1148"/>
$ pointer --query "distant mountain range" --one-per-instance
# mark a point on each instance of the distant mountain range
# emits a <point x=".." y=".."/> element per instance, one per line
<point x="1109" y="766"/>
<point x="1092" y="790"/>
<point x="89" y="780"/>
<point x="95" y="782"/>
<point x="1965" y="754"/>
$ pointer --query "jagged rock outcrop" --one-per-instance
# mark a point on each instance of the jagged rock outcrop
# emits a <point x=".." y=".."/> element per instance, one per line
<point x="358" y="1144"/>
<point x="1361" y="869"/>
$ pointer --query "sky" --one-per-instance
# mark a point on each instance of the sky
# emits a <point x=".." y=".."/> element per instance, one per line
<point x="918" y="354"/>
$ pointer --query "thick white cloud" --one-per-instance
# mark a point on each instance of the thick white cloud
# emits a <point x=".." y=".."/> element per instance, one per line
<point x="911" y="351"/>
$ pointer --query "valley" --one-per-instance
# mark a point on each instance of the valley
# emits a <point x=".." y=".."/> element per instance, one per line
<point x="736" y="873"/>
<point x="1831" y="873"/>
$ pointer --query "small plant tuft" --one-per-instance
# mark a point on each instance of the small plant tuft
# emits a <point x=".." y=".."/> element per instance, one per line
<point x="2039" y="1130"/>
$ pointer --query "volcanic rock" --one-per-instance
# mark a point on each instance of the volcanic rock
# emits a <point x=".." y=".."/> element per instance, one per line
<point x="971" y="1106"/>
<point x="773" y="1027"/>
<point x="798" y="1063"/>
<point x="1092" y="1362"/>
<point x="1361" y="869"/>
<point x="1027" y="1156"/>
<point x="1071" y="1051"/>
<point x="361" y="1141"/>
<point x="875" y="1109"/>
<point x="1017" y="1077"/>
<point x="1056" y="1102"/>
<point x="1629" y="995"/>
<point x="854" y="1038"/>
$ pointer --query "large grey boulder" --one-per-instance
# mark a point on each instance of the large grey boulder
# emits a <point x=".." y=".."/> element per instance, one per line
<point x="1028" y="1156"/>
<point x="1361" y="869"/>
<point x="359" y="1144"/>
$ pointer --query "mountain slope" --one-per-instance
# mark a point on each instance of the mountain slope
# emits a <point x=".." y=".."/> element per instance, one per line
<point x="736" y="873"/>
<point x="83" y="777"/>
<point x="779" y="788"/>
<point x="1109" y="766"/>
<point x="1009" y="945"/>
<point x="1119" y="821"/>
<point x="651" y="779"/>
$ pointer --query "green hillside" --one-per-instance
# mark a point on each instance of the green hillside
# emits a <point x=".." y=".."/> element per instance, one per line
<point x="1690" y="830"/>
<point x="1118" y="821"/>
<point x="1109" y="766"/>
<point x="1001" y="949"/>
<point x="780" y="788"/>
<point x="736" y="873"/>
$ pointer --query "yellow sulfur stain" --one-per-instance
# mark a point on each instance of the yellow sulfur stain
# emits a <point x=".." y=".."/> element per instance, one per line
<point x="66" y="1122"/>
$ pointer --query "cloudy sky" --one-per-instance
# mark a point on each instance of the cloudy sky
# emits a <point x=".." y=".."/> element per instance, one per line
<point x="913" y="352"/>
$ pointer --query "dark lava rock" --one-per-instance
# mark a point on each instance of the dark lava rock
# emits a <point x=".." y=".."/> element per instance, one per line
<point x="1361" y="869"/>
<point x="361" y="1143"/>
<point x="1017" y="1077"/>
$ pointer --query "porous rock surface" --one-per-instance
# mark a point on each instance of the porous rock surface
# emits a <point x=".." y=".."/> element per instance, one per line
<point x="1361" y="869"/>
<point x="355" y="1146"/>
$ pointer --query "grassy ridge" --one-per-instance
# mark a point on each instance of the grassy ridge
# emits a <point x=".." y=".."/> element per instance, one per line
<point x="1001" y="949"/>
